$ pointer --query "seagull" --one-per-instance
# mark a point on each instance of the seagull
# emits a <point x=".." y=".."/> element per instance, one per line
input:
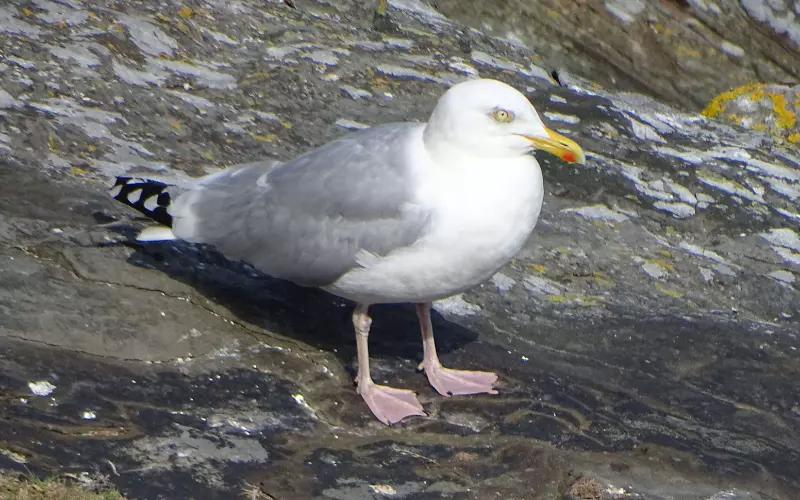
<point x="399" y="213"/>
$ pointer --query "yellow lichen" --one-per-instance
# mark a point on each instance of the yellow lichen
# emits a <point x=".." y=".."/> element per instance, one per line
<point x="720" y="103"/>
<point x="666" y="265"/>
<point x="259" y="75"/>
<point x="672" y="293"/>
<point x="589" y="300"/>
<point x="794" y="138"/>
<point x="786" y="117"/>
<point x="602" y="279"/>
<point x="537" y="267"/>
<point x="757" y="94"/>
<point x="684" y="51"/>
<point x="583" y="300"/>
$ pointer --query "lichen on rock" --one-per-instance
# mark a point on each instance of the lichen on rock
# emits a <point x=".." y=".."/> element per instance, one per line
<point x="768" y="108"/>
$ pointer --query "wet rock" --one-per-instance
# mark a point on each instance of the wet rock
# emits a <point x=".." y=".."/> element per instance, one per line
<point x="646" y="337"/>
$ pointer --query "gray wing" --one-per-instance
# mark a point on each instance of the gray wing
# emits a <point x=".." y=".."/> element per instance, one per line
<point x="305" y="220"/>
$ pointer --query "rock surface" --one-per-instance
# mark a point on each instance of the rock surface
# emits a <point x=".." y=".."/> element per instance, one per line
<point x="646" y="338"/>
<point x="765" y="108"/>
<point x="683" y="52"/>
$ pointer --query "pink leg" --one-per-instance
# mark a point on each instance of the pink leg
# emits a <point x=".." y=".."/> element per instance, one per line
<point x="448" y="382"/>
<point x="390" y="405"/>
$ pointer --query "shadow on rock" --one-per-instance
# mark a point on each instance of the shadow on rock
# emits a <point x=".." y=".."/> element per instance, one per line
<point x="310" y="315"/>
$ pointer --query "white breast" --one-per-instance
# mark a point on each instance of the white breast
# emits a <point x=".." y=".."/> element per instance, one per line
<point x="481" y="218"/>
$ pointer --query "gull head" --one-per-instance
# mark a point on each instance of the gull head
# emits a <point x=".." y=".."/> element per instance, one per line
<point x="490" y="119"/>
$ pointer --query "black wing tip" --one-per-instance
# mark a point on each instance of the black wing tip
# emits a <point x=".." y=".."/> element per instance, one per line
<point x="147" y="196"/>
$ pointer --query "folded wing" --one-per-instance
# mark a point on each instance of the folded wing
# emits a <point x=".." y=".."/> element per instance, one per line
<point x="307" y="219"/>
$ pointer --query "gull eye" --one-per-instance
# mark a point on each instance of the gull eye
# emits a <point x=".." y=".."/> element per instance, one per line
<point x="502" y="116"/>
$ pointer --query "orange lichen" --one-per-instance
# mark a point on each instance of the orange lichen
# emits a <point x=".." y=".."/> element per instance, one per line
<point x="720" y="103"/>
<point x="537" y="267"/>
<point x="783" y="120"/>
<point x="786" y="117"/>
<point x="757" y="94"/>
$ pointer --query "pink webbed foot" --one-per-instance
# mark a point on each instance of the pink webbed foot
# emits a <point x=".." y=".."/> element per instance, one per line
<point x="390" y="405"/>
<point x="449" y="382"/>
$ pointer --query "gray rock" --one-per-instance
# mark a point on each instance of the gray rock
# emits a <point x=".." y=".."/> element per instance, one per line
<point x="682" y="52"/>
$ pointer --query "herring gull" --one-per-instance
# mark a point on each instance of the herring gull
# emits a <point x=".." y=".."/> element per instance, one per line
<point x="404" y="212"/>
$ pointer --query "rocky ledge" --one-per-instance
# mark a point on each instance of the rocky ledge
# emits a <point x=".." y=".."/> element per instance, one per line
<point x="646" y="338"/>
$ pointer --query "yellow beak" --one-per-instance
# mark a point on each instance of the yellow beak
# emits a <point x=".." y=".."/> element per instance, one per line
<point x="563" y="147"/>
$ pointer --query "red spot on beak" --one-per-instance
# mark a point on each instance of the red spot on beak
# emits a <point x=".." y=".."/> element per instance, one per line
<point x="570" y="157"/>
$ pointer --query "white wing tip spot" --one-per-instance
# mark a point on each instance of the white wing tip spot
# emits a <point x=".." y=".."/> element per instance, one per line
<point x="151" y="203"/>
<point x="134" y="195"/>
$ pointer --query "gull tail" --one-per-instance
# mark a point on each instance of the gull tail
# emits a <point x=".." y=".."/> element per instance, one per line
<point x="150" y="198"/>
